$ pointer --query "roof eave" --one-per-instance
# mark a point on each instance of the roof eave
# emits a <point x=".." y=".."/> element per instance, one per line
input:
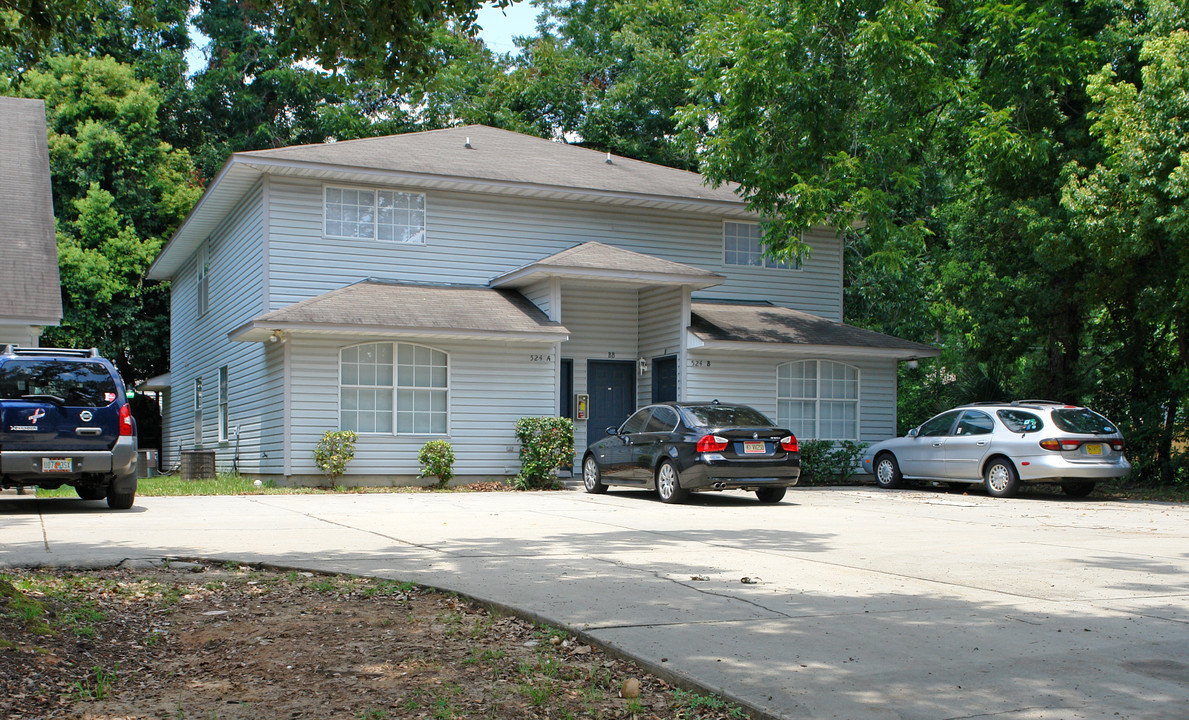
<point x="699" y="342"/>
<point x="195" y="227"/>
<point x="264" y="331"/>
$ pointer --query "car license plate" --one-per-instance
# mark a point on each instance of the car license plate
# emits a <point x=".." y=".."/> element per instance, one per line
<point x="56" y="465"/>
<point x="1093" y="448"/>
<point x="751" y="448"/>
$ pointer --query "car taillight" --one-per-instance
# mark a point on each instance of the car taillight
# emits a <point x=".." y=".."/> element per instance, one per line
<point x="789" y="444"/>
<point x="1118" y="445"/>
<point x="712" y="443"/>
<point x="125" y="420"/>
<point x="1054" y="444"/>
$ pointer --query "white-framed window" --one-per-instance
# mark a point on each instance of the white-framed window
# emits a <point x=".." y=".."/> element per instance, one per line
<point x="203" y="271"/>
<point x="818" y="399"/>
<point x="373" y="214"/>
<point x="198" y="411"/>
<point x="741" y="242"/>
<point x="224" y="405"/>
<point x="396" y="388"/>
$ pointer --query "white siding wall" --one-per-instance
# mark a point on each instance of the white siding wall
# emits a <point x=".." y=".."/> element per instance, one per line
<point x="603" y="326"/>
<point x="17" y="334"/>
<point x="751" y="379"/>
<point x="199" y="347"/>
<point x="660" y="332"/>
<point x="492" y="385"/>
<point x="473" y="238"/>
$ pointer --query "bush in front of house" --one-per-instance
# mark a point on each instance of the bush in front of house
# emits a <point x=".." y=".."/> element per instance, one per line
<point x="546" y="444"/>
<point x="826" y="461"/>
<point x="334" y="451"/>
<point x="437" y="459"/>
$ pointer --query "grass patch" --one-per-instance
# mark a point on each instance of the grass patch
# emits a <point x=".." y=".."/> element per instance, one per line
<point x="229" y="484"/>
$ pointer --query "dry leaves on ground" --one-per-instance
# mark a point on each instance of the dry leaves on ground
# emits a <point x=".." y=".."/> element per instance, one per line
<point x="229" y="642"/>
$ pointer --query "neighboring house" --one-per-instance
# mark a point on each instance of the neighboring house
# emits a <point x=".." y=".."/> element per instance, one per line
<point x="30" y="292"/>
<point x="444" y="284"/>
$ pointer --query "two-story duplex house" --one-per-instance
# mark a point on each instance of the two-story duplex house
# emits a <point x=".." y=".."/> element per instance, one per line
<point x="444" y="284"/>
<point x="30" y="290"/>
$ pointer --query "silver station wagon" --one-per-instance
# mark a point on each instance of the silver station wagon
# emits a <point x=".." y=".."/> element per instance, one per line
<point x="1004" y="444"/>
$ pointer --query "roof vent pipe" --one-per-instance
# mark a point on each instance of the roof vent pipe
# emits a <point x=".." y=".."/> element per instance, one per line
<point x="609" y="158"/>
<point x="467" y="145"/>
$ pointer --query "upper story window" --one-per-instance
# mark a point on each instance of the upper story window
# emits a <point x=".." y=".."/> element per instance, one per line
<point x="742" y="246"/>
<point x="204" y="286"/>
<point x="393" y="387"/>
<point x="385" y="215"/>
<point x="818" y="399"/>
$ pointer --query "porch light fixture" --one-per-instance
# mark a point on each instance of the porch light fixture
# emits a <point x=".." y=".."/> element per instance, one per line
<point x="277" y="336"/>
<point x="642" y="365"/>
<point x="913" y="364"/>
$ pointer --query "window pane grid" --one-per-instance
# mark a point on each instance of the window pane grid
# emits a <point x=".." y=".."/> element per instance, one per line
<point x="818" y="399"/>
<point x="370" y="401"/>
<point x="385" y="215"/>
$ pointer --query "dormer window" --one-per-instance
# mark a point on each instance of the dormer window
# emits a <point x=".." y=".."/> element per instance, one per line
<point x="369" y="214"/>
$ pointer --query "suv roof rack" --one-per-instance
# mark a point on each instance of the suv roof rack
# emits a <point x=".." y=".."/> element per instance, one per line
<point x="1038" y="402"/>
<point x="60" y="352"/>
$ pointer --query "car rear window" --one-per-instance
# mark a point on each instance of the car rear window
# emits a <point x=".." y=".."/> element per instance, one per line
<point x="1081" y="420"/>
<point x="726" y="416"/>
<point x="74" y="382"/>
<point x="1020" y="421"/>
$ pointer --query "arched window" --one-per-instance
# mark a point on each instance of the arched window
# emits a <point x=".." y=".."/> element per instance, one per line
<point x="393" y="387"/>
<point x="818" y="399"/>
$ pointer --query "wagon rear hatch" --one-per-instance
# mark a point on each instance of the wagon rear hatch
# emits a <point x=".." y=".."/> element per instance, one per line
<point x="57" y="404"/>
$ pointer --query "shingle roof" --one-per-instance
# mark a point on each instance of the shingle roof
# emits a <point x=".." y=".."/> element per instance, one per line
<point x="594" y="260"/>
<point x="29" y="272"/>
<point x="382" y="307"/>
<point x="762" y="323"/>
<point x="505" y="156"/>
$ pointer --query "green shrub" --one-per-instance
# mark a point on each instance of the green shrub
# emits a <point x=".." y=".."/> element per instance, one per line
<point x="825" y="461"/>
<point x="334" y="451"/>
<point x="437" y="459"/>
<point x="546" y="443"/>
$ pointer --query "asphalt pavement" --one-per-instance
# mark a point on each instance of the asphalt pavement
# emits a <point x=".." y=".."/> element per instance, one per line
<point x="859" y="603"/>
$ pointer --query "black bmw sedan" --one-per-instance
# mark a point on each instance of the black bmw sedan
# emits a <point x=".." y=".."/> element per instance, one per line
<point x="680" y="447"/>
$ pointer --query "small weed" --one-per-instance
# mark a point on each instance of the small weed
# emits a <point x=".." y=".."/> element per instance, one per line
<point x="493" y="655"/>
<point x="324" y="585"/>
<point x="696" y="702"/>
<point x="98" y="687"/>
<point x="372" y="714"/>
<point x="231" y="565"/>
<point x="635" y="707"/>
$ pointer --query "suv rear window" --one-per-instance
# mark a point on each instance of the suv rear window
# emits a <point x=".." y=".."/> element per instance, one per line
<point x="726" y="416"/>
<point x="1020" y="421"/>
<point x="73" y="382"/>
<point x="1081" y="420"/>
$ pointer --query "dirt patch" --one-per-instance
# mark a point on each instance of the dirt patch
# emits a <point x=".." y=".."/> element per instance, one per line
<point x="230" y="642"/>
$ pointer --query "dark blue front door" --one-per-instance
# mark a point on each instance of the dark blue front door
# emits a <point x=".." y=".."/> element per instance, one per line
<point x="611" y="385"/>
<point x="664" y="379"/>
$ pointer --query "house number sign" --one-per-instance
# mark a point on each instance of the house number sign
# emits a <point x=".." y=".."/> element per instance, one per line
<point x="540" y="358"/>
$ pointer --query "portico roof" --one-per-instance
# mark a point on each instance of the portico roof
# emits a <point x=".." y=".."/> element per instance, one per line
<point x="766" y="327"/>
<point x="377" y="308"/>
<point x="596" y="261"/>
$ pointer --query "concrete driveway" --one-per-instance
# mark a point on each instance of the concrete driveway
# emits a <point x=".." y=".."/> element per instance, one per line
<point x="869" y="604"/>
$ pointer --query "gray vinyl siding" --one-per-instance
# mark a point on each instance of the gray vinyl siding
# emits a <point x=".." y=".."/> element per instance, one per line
<point x="660" y="332"/>
<point x="751" y="379"/>
<point x="540" y="294"/>
<point x="491" y="386"/>
<point x="199" y="347"/>
<point x="603" y="326"/>
<point x="472" y="238"/>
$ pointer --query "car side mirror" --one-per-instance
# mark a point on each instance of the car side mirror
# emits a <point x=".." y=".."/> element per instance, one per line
<point x="612" y="431"/>
<point x="913" y="433"/>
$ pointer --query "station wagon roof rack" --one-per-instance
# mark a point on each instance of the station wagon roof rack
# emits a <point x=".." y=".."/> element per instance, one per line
<point x="1038" y="402"/>
<point x="59" y="352"/>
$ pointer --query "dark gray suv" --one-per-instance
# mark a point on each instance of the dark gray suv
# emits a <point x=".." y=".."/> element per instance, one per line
<point x="65" y="420"/>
